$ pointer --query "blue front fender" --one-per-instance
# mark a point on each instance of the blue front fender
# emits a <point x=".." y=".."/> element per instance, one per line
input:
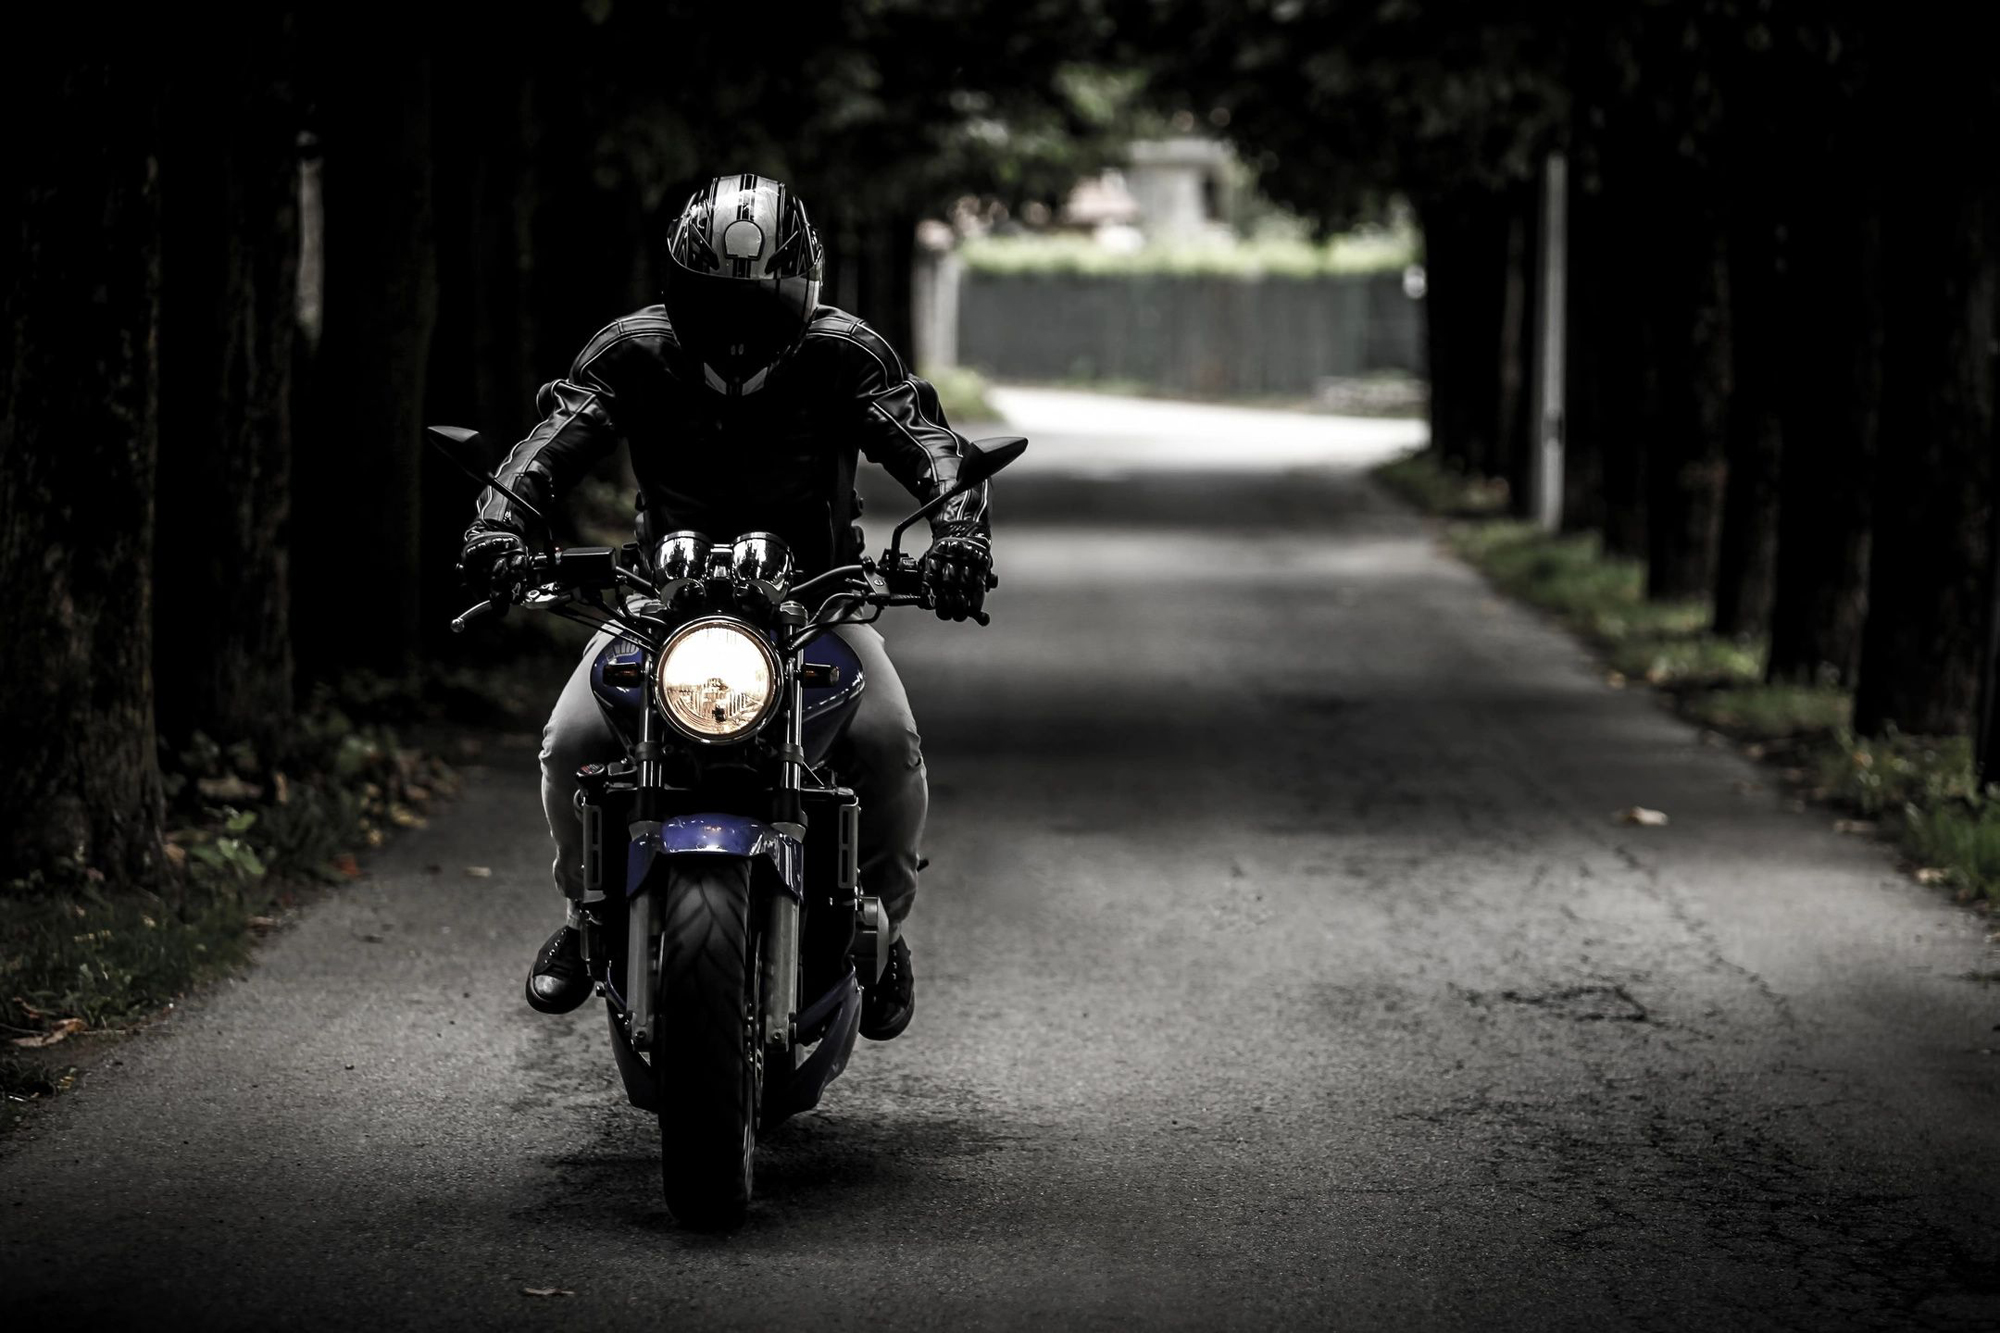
<point x="717" y="835"/>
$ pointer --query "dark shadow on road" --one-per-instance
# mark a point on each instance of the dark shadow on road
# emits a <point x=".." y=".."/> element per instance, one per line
<point x="833" y="1166"/>
<point x="1296" y="500"/>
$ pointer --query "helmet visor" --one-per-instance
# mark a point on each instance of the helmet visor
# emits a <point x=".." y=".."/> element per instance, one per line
<point x="738" y="326"/>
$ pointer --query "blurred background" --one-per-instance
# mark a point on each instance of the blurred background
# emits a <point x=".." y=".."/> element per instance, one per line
<point x="1702" y="294"/>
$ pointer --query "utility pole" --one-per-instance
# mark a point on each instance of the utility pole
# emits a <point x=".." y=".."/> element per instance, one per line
<point x="1546" y="408"/>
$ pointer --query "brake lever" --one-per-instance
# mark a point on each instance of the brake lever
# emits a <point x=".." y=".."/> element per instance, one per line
<point x="491" y="606"/>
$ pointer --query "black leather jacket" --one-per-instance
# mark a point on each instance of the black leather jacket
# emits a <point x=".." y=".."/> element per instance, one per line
<point x="780" y="460"/>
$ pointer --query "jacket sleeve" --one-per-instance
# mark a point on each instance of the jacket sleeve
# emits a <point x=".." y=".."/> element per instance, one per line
<point x="904" y="430"/>
<point x="576" y="432"/>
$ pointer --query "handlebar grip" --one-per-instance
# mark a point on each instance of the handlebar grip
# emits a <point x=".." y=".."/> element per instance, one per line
<point x="982" y="618"/>
<point x="992" y="580"/>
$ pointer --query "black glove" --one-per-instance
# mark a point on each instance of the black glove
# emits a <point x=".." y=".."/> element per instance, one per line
<point x="956" y="571"/>
<point x="482" y="565"/>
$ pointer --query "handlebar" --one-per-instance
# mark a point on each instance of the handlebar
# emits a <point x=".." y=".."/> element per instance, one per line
<point x="896" y="582"/>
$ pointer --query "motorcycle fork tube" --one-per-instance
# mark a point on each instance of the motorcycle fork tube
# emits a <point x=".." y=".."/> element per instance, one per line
<point x="781" y="921"/>
<point x="644" y="908"/>
<point x="639" y="970"/>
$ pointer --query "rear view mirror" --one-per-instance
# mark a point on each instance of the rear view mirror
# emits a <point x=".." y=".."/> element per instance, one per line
<point x="466" y="450"/>
<point x="987" y="457"/>
<point x="980" y="461"/>
<point x="462" y="446"/>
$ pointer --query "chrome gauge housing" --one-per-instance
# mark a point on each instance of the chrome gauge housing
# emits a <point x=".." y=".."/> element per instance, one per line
<point x="717" y="680"/>
<point x="761" y="557"/>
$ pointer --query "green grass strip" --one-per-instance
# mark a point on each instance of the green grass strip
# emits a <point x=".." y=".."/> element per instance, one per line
<point x="1921" y="788"/>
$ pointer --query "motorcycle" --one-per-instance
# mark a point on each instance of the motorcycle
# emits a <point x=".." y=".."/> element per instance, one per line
<point x="723" y="918"/>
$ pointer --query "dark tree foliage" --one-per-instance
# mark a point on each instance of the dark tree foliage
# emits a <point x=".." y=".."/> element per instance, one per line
<point x="79" y="317"/>
<point x="1340" y="106"/>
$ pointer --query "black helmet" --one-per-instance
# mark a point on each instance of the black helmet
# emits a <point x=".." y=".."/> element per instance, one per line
<point x="743" y="268"/>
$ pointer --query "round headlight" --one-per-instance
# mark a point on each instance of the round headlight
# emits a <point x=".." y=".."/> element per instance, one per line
<point x="717" y="680"/>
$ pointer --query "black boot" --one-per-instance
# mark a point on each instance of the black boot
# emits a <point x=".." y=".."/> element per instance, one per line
<point x="889" y="1004"/>
<point x="559" y="982"/>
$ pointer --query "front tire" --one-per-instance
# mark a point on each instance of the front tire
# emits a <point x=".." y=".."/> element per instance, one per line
<point x="707" y="1065"/>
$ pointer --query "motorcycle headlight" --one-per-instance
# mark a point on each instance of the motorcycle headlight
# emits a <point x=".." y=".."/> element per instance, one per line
<point x="717" y="681"/>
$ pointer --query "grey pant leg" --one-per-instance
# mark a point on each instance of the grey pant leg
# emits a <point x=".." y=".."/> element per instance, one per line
<point x="576" y="734"/>
<point x="882" y="757"/>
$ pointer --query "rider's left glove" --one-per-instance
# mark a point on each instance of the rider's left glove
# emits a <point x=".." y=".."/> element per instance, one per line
<point x="956" y="573"/>
<point x="485" y="562"/>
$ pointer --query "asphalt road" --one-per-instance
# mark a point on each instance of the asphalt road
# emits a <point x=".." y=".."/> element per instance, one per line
<point x="1280" y="966"/>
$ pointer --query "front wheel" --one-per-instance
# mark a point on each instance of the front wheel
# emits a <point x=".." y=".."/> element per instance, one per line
<point x="708" y="1060"/>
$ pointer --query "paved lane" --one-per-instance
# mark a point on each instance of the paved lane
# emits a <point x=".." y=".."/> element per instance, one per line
<point x="1280" y="967"/>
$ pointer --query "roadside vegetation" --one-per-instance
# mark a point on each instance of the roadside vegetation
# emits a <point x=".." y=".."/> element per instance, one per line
<point x="1919" y="791"/>
<point x="1379" y="250"/>
<point x="961" y="392"/>
<point x="84" y="960"/>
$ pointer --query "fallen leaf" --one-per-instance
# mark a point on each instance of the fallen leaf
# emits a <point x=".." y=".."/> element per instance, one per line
<point x="1640" y="815"/>
<point x="480" y="872"/>
<point x="1854" y="826"/>
<point x="62" y="1031"/>
<point x="1932" y="875"/>
<point x="347" y="865"/>
<point x="176" y="855"/>
<point x="547" y="1291"/>
<point x="281" y="788"/>
<point x="1743" y="786"/>
<point x="1754" y="750"/>
<point x="263" y="923"/>
<point x="229" y="788"/>
<point x="1614" y="679"/>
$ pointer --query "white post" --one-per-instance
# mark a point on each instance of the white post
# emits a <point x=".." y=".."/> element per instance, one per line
<point x="1547" y="408"/>
<point x="934" y="299"/>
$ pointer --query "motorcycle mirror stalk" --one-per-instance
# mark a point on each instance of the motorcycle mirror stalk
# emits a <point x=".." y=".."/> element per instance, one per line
<point x="453" y="441"/>
<point x="985" y="457"/>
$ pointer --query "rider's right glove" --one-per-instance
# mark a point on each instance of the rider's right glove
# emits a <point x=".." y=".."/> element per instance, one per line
<point x="482" y="563"/>
<point x="956" y="573"/>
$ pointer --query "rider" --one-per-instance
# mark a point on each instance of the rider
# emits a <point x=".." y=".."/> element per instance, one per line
<point x="743" y="402"/>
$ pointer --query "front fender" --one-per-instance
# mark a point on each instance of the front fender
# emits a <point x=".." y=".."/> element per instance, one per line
<point x="717" y="835"/>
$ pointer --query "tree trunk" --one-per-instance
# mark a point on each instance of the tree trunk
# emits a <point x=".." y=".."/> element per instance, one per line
<point x="359" y="501"/>
<point x="1620" y="334"/>
<point x="1584" y="410"/>
<point x="1465" y="258"/>
<point x="79" y="310"/>
<point x="1747" y="554"/>
<point x="1924" y="642"/>
<point x="229" y="268"/>
<point x="1689" y="354"/>
<point x="476" y="376"/>
<point x="1446" y="441"/>
<point x="1827" y="380"/>
<point x="892" y="262"/>
<point x="1514" y="428"/>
